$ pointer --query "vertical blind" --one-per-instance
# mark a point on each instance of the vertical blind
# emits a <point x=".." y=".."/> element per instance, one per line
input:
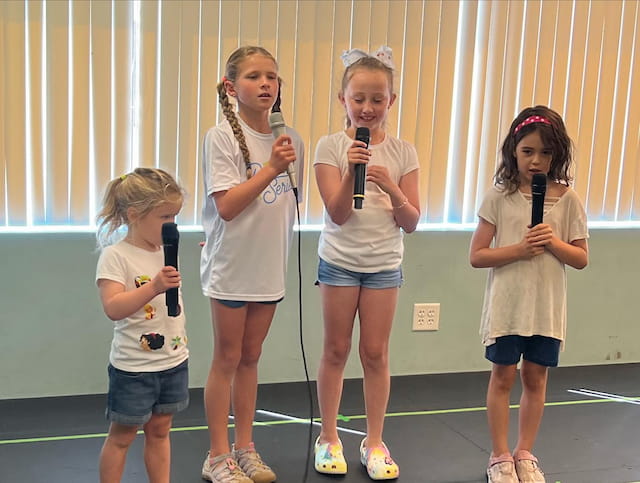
<point x="91" y="89"/>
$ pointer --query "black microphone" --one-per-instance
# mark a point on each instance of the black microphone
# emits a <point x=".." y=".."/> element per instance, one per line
<point x="170" y="238"/>
<point x="362" y="134"/>
<point x="538" y="190"/>
<point x="276" y="122"/>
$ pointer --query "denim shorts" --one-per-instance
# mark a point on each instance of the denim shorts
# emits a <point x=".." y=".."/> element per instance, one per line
<point x="330" y="274"/>
<point x="134" y="396"/>
<point x="537" y="349"/>
<point x="236" y="304"/>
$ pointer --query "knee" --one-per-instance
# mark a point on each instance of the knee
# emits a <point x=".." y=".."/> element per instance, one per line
<point x="374" y="358"/>
<point x="502" y="381"/>
<point x="158" y="427"/>
<point x="336" y="354"/>
<point x="122" y="439"/>
<point x="534" y="382"/>
<point x="250" y="357"/>
<point x="226" y="361"/>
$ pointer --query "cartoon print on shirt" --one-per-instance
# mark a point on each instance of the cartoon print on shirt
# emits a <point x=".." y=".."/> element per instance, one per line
<point x="150" y="310"/>
<point x="177" y="341"/>
<point x="152" y="341"/>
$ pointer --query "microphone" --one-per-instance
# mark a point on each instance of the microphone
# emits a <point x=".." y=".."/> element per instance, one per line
<point x="277" y="125"/>
<point x="170" y="238"/>
<point x="362" y="134"/>
<point x="538" y="190"/>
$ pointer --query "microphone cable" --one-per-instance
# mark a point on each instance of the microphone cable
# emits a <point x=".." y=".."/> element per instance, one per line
<point x="304" y="356"/>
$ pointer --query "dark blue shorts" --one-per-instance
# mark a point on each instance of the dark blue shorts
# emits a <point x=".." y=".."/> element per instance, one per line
<point x="236" y="304"/>
<point x="538" y="349"/>
<point x="134" y="396"/>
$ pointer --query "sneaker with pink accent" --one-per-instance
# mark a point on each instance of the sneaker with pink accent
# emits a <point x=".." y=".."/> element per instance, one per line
<point x="329" y="458"/>
<point x="501" y="469"/>
<point x="223" y="469"/>
<point x="527" y="468"/>
<point x="378" y="461"/>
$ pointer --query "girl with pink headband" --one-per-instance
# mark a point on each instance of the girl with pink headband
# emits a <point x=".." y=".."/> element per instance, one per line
<point x="524" y="313"/>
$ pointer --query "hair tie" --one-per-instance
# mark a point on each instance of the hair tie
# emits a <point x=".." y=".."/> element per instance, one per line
<point x="383" y="54"/>
<point x="123" y="176"/>
<point x="531" y="120"/>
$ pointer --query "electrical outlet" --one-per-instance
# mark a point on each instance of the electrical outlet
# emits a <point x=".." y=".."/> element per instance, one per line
<point x="426" y="316"/>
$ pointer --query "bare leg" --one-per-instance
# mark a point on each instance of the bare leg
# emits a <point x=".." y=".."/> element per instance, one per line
<point x="376" y="310"/>
<point x="534" y="391"/>
<point x="114" y="451"/>
<point x="228" y="328"/>
<point x="500" y="384"/>
<point x="338" y="309"/>
<point x="157" y="448"/>
<point x="245" y="383"/>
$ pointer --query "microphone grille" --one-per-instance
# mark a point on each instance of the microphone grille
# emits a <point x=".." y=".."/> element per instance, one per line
<point x="539" y="183"/>
<point x="170" y="232"/>
<point x="362" y="134"/>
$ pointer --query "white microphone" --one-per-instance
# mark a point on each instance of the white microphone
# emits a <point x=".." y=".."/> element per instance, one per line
<point x="276" y="122"/>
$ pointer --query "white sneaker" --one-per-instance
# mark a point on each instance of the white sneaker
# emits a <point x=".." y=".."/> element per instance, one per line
<point x="223" y="469"/>
<point x="527" y="468"/>
<point x="502" y="470"/>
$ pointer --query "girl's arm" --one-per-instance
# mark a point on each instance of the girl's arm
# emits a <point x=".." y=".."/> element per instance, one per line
<point x="232" y="202"/>
<point x="482" y="255"/>
<point x="574" y="254"/>
<point x="336" y="191"/>
<point x="119" y="304"/>
<point x="405" y="198"/>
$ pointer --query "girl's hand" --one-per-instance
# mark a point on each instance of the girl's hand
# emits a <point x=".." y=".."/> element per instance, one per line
<point x="282" y="153"/>
<point x="380" y="176"/>
<point x="535" y="240"/>
<point x="168" y="277"/>
<point x="358" y="154"/>
<point x="539" y="235"/>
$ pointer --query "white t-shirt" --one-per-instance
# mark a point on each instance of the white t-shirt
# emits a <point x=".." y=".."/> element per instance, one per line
<point x="370" y="240"/>
<point x="149" y="340"/>
<point x="246" y="258"/>
<point x="528" y="297"/>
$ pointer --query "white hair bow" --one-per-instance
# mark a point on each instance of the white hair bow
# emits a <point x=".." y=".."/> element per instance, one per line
<point x="383" y="54"/>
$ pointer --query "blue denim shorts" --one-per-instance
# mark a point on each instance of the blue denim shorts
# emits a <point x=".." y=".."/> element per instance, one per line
<point x="537" y="349"/>
<point x="236" y="304"/>
<point x="330" y="274"/>
<point x="134" y="396"/>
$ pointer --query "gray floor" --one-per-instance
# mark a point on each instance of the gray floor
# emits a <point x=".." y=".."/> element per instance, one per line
<point x="436" y="430"/>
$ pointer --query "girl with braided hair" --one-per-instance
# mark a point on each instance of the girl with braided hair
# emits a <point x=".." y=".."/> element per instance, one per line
<point x="248" y="216"/>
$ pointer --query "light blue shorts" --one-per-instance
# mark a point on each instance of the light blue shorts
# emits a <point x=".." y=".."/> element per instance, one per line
<point x="330" y="274"/>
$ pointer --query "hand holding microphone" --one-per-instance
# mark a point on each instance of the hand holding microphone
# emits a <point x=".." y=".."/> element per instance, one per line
<point x="170" y="239"/>
<point x="363" y="135"/>
<point x="278" y="127"/>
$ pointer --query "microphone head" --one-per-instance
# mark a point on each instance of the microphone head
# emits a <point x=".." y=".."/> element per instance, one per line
<point x="539" y="183"/>
<point x="170" y="234"/>
<point x="362" y="134"/>
<point x="276" y="120"/>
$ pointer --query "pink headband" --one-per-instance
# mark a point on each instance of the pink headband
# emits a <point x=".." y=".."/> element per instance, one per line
<point x="531" y="120"/>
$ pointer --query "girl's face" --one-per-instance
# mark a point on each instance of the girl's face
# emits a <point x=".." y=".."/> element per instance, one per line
<point x="367" y="98"/>
<point x="146" y="231"/>
<point x="256" y="85"/>
<point x="532" y="157"/>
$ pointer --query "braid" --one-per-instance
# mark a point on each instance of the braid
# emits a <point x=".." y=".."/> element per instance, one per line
<point x="229" y="113"/>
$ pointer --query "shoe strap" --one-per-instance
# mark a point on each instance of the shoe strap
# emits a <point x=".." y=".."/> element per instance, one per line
<point x="525" y="455"/>
<point x="503" y="458"/>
